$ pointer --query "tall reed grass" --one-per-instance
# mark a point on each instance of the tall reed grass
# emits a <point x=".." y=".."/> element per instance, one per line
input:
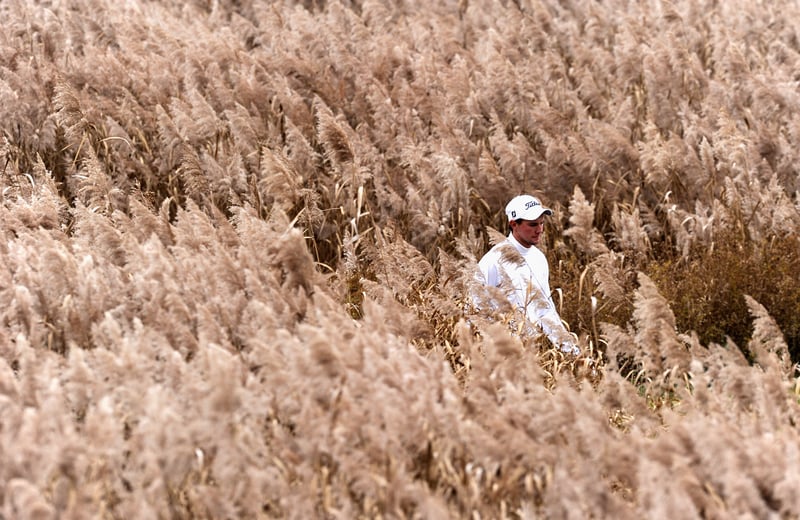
<point x="240" y="240"/>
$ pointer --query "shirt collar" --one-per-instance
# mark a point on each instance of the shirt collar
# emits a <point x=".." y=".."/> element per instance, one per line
<point x="522" y="249"/>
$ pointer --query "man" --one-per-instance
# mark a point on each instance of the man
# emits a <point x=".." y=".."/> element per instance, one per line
<point x="521" y="271"/>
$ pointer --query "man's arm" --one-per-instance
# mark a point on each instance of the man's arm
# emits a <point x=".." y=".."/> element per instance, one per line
<point x="540" y="309"/>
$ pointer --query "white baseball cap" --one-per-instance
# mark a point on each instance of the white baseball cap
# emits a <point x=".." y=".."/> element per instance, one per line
<point x="526" y="207"/>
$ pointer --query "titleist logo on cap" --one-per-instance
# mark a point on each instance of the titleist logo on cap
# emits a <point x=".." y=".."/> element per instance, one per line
<point x="528" y="205"/>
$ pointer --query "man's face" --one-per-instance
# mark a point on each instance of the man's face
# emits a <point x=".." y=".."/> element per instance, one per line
<point x="528" y="232"/>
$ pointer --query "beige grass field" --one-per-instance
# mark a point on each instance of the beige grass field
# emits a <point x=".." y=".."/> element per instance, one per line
<point x="239" y="241"/>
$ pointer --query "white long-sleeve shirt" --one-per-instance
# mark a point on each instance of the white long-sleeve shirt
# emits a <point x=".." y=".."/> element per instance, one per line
<point x="523" y="274"/>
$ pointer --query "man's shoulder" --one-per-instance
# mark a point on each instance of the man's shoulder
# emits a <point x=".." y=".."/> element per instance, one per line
<point x="503" y="253"/>
<point x="490" y="257"/>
